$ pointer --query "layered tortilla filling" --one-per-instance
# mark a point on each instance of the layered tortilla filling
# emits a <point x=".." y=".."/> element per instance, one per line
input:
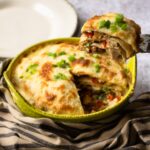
<point x="97" y="42"/>
<point x="111" y="37"/>
<point x="112" y="34"/>
<point x="104" y="88"/>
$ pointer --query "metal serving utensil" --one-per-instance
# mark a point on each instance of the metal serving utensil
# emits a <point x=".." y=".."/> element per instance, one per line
<point x="145" y="43"/>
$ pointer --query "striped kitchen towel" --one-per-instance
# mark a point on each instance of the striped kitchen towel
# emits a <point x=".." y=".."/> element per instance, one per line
<point x="128" y="129"/>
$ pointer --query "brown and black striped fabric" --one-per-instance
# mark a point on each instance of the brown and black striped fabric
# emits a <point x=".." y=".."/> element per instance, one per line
<point x="128" y="129"/>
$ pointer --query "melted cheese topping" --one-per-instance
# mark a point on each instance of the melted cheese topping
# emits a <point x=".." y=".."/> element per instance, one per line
<point x="46" y="77"/>
<point x="39" y="86"/>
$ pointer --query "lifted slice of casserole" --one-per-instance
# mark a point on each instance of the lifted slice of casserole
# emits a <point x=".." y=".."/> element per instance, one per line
<point x="111" y="33"/>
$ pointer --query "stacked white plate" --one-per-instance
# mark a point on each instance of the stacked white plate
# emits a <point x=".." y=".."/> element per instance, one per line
<point x="25" y="22"/>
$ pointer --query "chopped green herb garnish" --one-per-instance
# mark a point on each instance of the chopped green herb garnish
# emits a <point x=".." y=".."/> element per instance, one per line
<point x="106" y="89"/>
<point x="87" y="44"/>
<point x="54" y="55"/>
<point x="124" y="26"/>
<point x="62" y="64"/>
<point x="71" y="58"/>
<point x="113" y="28"/>
<point x="107" y="24"/>
<point x="60" y="76"/>
<point x="119" y="22"/>
<point x="61" y="53"/>
<point x="54" y="65"/>
<point x="104" y="24"/>
<point x="21" y="77"/>
<point x="81" y="58"/>
<point x="119" y="18"/>
<point x="100" y="96"/>
<point x="96" y="55"/>
<point x="102" y="93"/>
<point x="32" y="68"/>
<point x="126" y="70"/>
<point x="97" y="68"/>
<point x="109" y="63"/>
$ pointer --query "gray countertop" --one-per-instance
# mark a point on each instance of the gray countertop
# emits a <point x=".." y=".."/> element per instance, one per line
<point x="137" y="10"/>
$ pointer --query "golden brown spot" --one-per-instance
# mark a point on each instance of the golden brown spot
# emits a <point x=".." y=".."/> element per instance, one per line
<point x="44" y="84"/>
<point x="83" y="62"/>
<point x="61" y="99"/>
<point x="42" y="103"/>
<point x="73" y="93"/>
<point x="65" y="108"/>
<point x="79" y="73"/>
<point x="70" y="96"/>
<point x="123" y="74"/>
<point x="25" y="55"/>
<point x="61" y="88"/>
<point x="34" y="48"/>
<point x="50" y="96"/>
<point x="112" y="74"/>
<point x="27" y="89"/>
<point x="43" y="54"/>
<point x="46" y="70"/>
<point x="95" y="18"/>
<point x="90" y="23"/>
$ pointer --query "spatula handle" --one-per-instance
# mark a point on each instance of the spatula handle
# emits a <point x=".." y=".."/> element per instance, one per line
<point x="145" y="44"/>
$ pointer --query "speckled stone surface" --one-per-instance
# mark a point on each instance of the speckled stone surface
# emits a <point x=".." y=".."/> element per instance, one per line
<point x="138" y="10"/>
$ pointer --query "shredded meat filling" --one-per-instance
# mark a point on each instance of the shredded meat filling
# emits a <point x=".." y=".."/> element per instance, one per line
<point x="99" y="42"/>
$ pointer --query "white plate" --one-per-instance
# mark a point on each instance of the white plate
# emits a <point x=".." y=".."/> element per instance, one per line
<point x="25" y="22"/>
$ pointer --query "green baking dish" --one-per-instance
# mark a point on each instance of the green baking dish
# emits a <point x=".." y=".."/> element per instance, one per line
<point x="29" y="110"/>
